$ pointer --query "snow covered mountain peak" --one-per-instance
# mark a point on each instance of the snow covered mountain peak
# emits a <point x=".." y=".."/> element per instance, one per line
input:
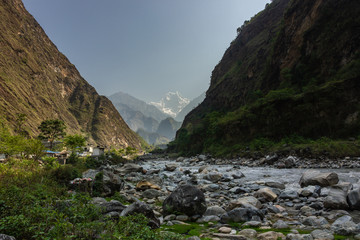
<point x="172" y="103"/>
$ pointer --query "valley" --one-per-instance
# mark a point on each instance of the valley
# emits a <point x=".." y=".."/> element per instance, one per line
<point x="270" y="151"/>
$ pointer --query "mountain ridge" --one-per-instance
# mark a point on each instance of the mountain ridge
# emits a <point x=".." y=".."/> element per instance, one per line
<point x="171" y="104"/>
<point x="282" y="76"/>
<point x="39" y="81"/>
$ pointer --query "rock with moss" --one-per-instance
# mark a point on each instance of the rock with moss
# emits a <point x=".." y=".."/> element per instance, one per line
<point x="186" y="199"/>
<point x="144" y="209"/>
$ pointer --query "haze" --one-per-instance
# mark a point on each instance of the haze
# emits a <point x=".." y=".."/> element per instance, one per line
<point x="144" y="47"/>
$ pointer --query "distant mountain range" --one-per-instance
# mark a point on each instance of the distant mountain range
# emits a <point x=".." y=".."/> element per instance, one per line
<point x="125" y="102"/>
<point x="171" y="104"/>
<point x="154" y="123"/>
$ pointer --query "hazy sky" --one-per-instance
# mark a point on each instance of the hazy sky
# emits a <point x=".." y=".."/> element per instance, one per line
<point x="144" y="47"/>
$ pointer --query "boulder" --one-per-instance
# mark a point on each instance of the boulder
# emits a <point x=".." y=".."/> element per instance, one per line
<point x="266" y="193"/>
<point x="290" y="162"/>
<point x="186" y="199"/>
<point x="129" y="168"/>
<point x="238" y="175"/>
<point x="336" y="198"/>
<point x="313" y="177"/>
<point x="6" y="237"/>
<point x="289" y="194"/>
<point x="214" y="210"/>
<point x="270" y="236"/>
<point x="271" y="159"/>
<point x="248" y="233"/>
<point x="143" y="185"/>
<point x="242" y="215"/>
<point x="144" y="209"/>
<point x="353" y="199"/>
<point x="170" y="167"/>
<point x="322" y="235"/>
<point x="107" y="207"/>
<point x="213" y="176"/>
<point x="151" y="193"/>
<point x="110" y="183"/>
<point x="345" y="226"/>
<point x="293" y="236"/>
<point x="280" y="224"/>
<point x="275" y="185"/>
<point x="244" y="201"/>
<point x="225" y="230"/>
<point x="210" y="218"/>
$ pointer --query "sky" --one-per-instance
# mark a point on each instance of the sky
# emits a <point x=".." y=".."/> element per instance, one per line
<point x="145" y="48"/>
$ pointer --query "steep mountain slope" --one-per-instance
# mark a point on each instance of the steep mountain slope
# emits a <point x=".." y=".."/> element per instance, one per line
<point x="136" y="119"/>
<point x="293" y="69"/>
<point x="192" y="104"/>
<point x="168" y="128"/>
<point x="171" y="104"/>
<point x="39" y="81"/>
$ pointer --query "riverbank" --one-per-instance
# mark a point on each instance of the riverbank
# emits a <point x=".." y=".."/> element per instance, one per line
<point x="197" y="197"/>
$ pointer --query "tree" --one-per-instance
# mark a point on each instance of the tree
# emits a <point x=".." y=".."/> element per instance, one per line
<point x="19" y="125"/>
<point x="74" y="142"/>
<point x="51" y="130"/>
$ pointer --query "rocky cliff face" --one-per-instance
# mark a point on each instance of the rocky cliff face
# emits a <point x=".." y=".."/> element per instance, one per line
<point x="36" y="79"/>
<point x="292" y="70"/>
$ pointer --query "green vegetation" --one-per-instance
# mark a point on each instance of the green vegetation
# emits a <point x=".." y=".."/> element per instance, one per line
<point x="188" y="229"/>
<point x="281" y="117"/>
<point x="267" y="92"/>
<point x="74" y="142"/>
<point x="12" y="145"/>
<point x="35" y="204"/>
<point x="51" y="130"/>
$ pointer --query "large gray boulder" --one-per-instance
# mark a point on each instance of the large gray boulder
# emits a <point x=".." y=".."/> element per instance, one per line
<point x="129" y="168"/>
<point x="336" y="198"/>
<point x="353" y="199"/>
<point x="242" y="215"/>
<point x="186" y="199"/>
<point x="322" y="234"/>
<point x="345" y="226"/>
<point x="313" y="177"/>
<point x="144" y="209"/>
<point x="111" y="182"/>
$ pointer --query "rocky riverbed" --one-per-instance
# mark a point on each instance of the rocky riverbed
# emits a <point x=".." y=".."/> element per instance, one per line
<point x="237" y="200"/>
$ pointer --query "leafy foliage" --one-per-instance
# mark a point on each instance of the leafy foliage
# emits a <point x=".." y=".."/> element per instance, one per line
<point x="74" y="142"/>
<point x="51" y="130"/>
<point x="34" y="204"/>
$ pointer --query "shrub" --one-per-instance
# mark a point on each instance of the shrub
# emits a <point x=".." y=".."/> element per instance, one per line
<point x="64" y="174"/>
<point x="93" y="162"/>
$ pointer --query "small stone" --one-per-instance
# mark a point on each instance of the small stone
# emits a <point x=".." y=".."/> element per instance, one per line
<point x="225" y="230"/>
<point x="321" y="234"/>
<point x="249" y="233"/>
<point x="270" y="235"/>
<point x="280" y="224"/>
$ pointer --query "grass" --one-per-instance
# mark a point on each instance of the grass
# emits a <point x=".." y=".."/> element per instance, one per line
<point x="187" y="230"/>
<point x="35" y="204"/>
